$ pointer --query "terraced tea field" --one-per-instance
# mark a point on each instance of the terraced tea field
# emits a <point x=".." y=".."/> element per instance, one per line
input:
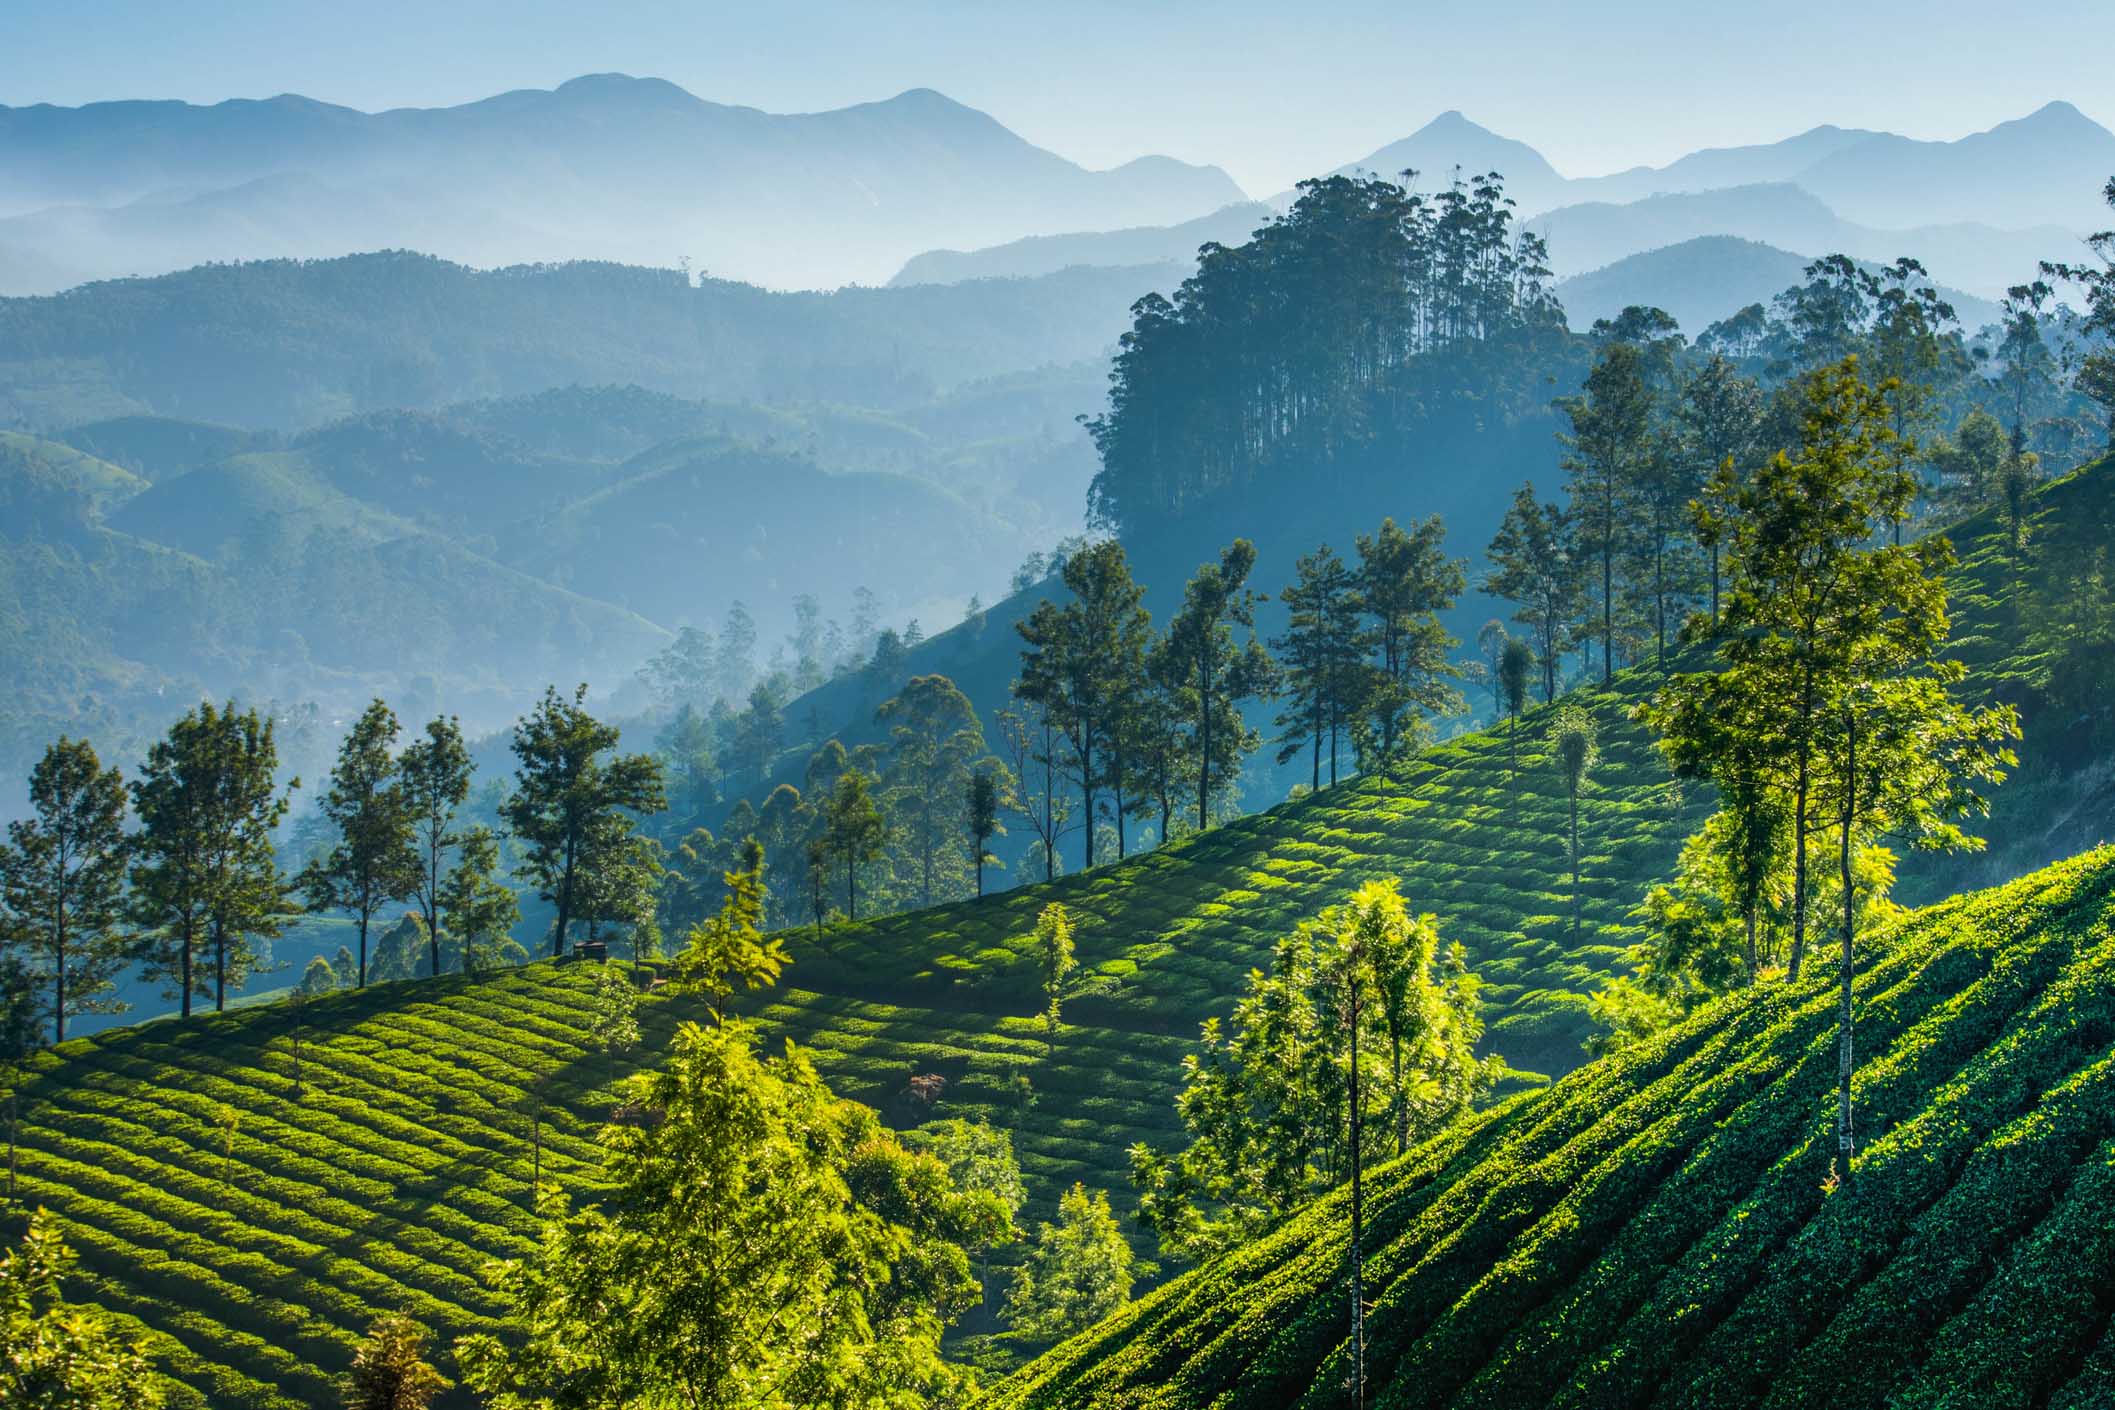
<point x="1656" y="1230"/>
<point x="255" y="1228"/>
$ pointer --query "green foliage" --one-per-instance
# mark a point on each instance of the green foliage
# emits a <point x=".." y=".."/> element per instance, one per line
<point x="733" y="1219"/>
<point x="728" y="952"/>
<point x="62" y="879"/>
<point x="1078" y="1271"/>
<point x="1055" y="950"/>
<point x="375" y="859"/>
<point x="205" y="877"/>
<point x="479" y="911"/>
<point x="570" y="806"/>
<point x="1267" y="1101"/>
<point x="1653" y="1230"/>
<point x="389" y="1371"/>
<point x="58" y="1357"/>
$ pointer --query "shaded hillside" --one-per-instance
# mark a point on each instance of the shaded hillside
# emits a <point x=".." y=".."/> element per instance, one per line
<point x="1704" y="279"/>
<point x="290" y="344"/>
<point x="695" y="524"/>
<point x="605" y="166"/>
<point x="1655" y="1229"/>
<point x="1174" y="245"/>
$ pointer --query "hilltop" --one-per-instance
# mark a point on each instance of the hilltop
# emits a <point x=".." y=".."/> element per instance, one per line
<point x="1656" y="1230"/>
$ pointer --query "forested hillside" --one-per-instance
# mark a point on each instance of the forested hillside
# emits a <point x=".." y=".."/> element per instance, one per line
<point x="287" y="344"/>
<point x="412" y="1120"/>
<point x="1663" y="1227"/>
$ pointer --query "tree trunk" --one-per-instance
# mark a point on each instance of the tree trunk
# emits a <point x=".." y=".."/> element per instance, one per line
<point x="851" y="888"/>
<point x="1574" y="790"/>
<point x="1204" y="737"/>
<point x="1087" y="791"/>
<point x="1608" y="600"/>
<point x="1850" y="923"/>
<point x="1358" y="1193"/>
<point x="220" y="967"/>
<point x="1116" y="754"/>
<point x="184" y="965"/>
<point x="1799" y="831"/>
<point x="1752" y="966"/>
<point x="363" y="950"/>
<point x="1395" y="1069"/>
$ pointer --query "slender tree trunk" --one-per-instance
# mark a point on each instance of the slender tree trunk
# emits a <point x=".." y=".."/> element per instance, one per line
<point x="1087" y="791"/>
<point x="363" y="949"/>
<point x="58" y="1004"/>
<point x="14" y="1113"/>
<point x="1574" y="790"/>
<point x="1358" y="1195"/>
<point x="980" y="866"/>
<point x="1116" y="755"/>
<point x="851" y="888"/>
<point x="1850" y="924"/>
<point x="1314" y="784"/>
<point x="1608" y="595"/>
<point x="1395" y="1071"/>
<point x="1752" y="966"/>
<point x="1204" y="736"/>
<point x="1714" y="584"/>
<point x="220" y="967"/>
<point x="184" y="965"/>
<point x="1799" y="837"/>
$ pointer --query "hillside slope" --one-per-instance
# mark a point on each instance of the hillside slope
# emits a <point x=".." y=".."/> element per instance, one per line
<point x="1655" y="1231"/>
<point x="257" y="1254"/>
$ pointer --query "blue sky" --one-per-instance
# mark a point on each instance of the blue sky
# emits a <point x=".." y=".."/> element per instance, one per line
<point x="1271" y="92"/>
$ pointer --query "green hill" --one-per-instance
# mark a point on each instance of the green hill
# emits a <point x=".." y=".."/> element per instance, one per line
<point x="258" y="1257"/>
<point x="1655" y="1229"/>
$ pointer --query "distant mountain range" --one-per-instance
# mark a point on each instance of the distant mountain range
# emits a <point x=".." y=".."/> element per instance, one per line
<point x="1979" y="212"/>
<point x="603" y="167"/>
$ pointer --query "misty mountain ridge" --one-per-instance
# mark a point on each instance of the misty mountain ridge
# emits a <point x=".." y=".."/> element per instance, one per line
<point x="605" y="166"/>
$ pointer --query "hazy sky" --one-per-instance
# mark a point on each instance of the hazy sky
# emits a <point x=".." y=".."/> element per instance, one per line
<point x="1271" y="92"/>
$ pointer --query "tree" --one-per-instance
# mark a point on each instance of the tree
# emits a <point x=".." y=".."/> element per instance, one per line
<point x="435" y="772"/>
<point x="729" y="950"/>
<point x="1083" y="662"/>
<point x="1721" y="418"/>
<point x="479" y="911"/>
<point x="1030" y="743"/>
<point x="1516" y="665"/>
<point x="1799" y="533"/>
<point x="1054" y="950"/>
<point x="21" y="1025"/>
<point x="1405" y="582"/>
<point x="1606" y="449"/>
<point x="1532" y="567"/>
<point x="683" y="674"/>
<point x="2096" y="376"/>
<point x="854" y="831"/>
<point x="565" y="791"/>
<point x="389" y="1369"/>
<point x="1574" y="746"/>
<point x="980" y="1161"/>
<point x="1078" y="1271"/>
<point x="205" y="873"/>
<point x="2026" y="367"/>
<point x="988" y="795"/>
<point x="690" y="760"/>
<point x="1215" y="674"/>
<point x="1321" y="648"/>
<point x="1267" y="1100"/>
<point x="62" y="876"/>
<point x="60" y="1356"/>
<point x="935" y="741"/>
<point x="613" y="1021"/>
<point x="376" y="859"/>
<point x="735" y="1220"/>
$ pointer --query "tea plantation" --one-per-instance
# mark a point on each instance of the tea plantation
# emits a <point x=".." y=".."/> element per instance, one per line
<point x="254" y="1218"/>
<point x="1658" y="1229"/>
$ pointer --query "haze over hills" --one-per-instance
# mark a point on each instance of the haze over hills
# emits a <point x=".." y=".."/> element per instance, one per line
<point x="605" y="166"/>
<point x="2019" y="193"/>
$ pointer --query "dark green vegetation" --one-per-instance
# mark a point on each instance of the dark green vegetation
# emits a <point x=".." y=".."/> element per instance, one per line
<point x="259" y="1247"/>
<point x="1658" y="1229"/>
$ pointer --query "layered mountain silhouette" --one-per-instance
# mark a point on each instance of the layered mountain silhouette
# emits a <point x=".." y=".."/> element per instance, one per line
<point x="603" y="167"/>
<point x="1979" y="211"/>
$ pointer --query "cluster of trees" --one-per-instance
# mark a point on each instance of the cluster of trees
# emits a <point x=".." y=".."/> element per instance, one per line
<point x="1825" y="721"/>
<point x="1324" y="333"/>
<point x="1614" y="568"/>
<point x="1138" y="722"/>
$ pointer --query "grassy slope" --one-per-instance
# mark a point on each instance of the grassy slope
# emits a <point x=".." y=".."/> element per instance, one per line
<point x="404" y="1170"/>
<point x="1654" y="1229"/>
